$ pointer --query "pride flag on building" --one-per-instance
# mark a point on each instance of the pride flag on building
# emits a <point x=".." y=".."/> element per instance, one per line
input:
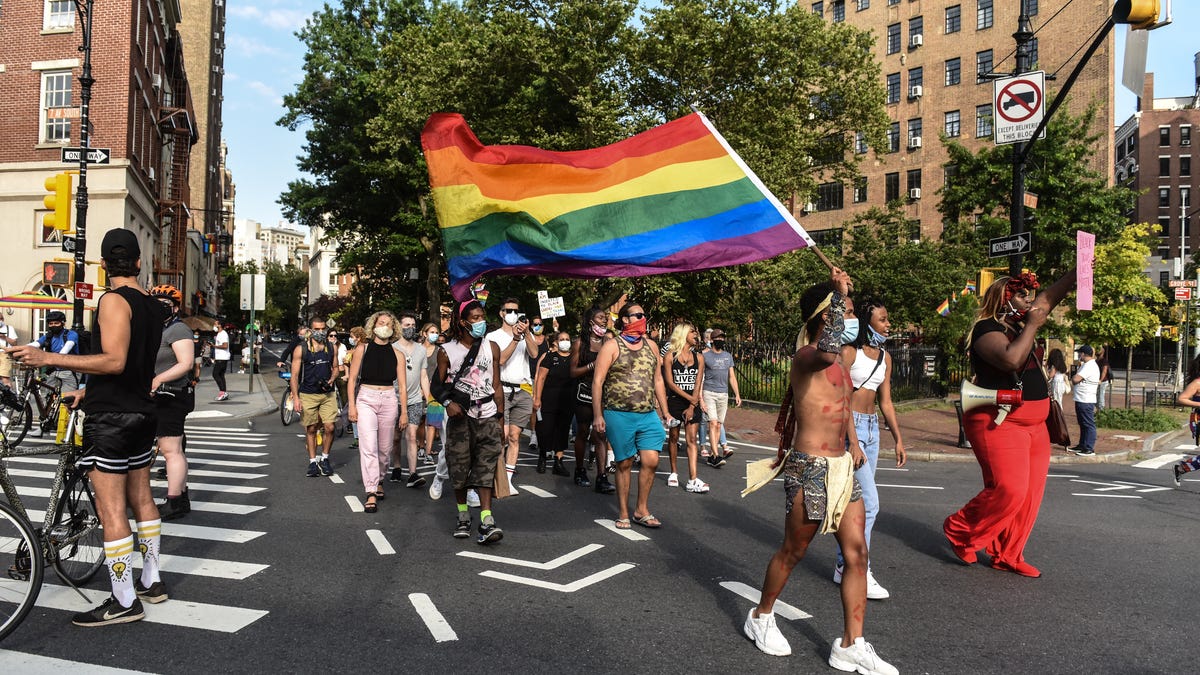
<point x="675" y="198"/>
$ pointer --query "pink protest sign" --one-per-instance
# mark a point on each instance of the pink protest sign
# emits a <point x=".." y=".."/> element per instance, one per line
<point x="1085" y="258"/>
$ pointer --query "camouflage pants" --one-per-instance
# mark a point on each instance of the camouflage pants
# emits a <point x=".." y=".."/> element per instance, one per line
<point x="472" y="449"/>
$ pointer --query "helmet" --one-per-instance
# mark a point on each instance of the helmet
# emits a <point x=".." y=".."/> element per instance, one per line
<point x="56" y="315"/>
<point x="167" y="291"/>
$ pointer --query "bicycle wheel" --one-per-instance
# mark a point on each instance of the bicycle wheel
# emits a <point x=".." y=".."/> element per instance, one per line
<point x="287" y="413"/>
<point x="18" y="425"/>
<point x="75" y="532"/>
<point x="21" y="569"/>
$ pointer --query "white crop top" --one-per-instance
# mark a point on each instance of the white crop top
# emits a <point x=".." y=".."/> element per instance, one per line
<point x="860" y="371"/>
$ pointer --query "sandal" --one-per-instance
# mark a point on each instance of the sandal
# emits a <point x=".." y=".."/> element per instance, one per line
<point x="647" y="520"/>
<point x="379" y="493"/>
<point x="370" y="506"/>
<point x="623" y="524"/>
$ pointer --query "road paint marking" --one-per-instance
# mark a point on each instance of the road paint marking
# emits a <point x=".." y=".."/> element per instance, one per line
<point x="1093" y="494"/>
<point x="1186" y="447"/>
<point x="220" y="451"/>
<point x="231" y="463"/>
<point x="225" y="507"/>
<point x="381" y="542"/>
<point x="209" y="473"/>
<point x="536" y="491"/>
<point x="1061" y="475"/>
<point x="1091" y="482"/>
<point x="242" y="431"/>
<point x="1125" y="437"/>
<point x="221" y="618"/>
<point x="744" y="444"/>
<point x="355" y="505"/>
<point x="223" y="534"/>
<point x="207" y="414"/>
<point x="224" y="444"/>
<point x="576" y="585"/>
<point x="911" y="487"/>
<point x="550" y="565"/>
<point x="334" y="478"/>
<point x="611" y="525"/>
<point x="33" y="664"/>
<point x="434" y="621"/>
<point x="754" y="595"/>
<point x="1160" y="461"/>
<point x="890" y="468"/>
<point x="213" y="487"/>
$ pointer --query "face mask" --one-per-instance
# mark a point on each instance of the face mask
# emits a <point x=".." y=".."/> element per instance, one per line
<point x="874" y="338"/>
<point x="54" y="330"/>
<point x="479" y="328"/>
<point x="718" y="345"/>
<point x="634" y="330"/>
<point x="383" y="332"/>
<point x="353" y="342"/>
<point x="409" y="333"/>
<point x="318" y="335"/>
<point x="432" y="338"/>
<point x="537" y="330"/>
<point x="599" y="331"/>
<point x="196" y="336"/>
<point x="511" y="318"/>
<point x="850" y="331"/>
<point x="564" y="345"/>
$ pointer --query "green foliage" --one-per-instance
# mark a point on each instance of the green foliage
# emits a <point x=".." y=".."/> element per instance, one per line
<point x="1135" y="420"/>
<point x="285" y="284"/>
<point x="1125" y="302"/>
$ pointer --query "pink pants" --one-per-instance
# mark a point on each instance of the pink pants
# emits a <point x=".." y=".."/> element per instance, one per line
<point x="378" y="413"/>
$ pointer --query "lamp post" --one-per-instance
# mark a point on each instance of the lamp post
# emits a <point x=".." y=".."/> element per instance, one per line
<point x="84" y="9"/>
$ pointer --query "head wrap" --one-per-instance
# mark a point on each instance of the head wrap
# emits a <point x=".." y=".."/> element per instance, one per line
<point x="1026" y="280"/>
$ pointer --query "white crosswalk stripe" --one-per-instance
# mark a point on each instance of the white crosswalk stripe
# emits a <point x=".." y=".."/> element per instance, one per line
<point x="1160" y="461"/>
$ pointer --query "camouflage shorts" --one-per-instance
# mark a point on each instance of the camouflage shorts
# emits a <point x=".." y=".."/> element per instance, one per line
<point x="472" y="450"/>
<point x="807" y="472"/>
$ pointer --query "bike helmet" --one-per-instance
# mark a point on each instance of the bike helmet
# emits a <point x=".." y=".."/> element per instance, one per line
<point x="56" y="315"/>
<point x="167" y="291"/>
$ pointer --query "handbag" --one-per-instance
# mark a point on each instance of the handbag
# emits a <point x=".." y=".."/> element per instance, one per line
<point x="1056" y="421"/>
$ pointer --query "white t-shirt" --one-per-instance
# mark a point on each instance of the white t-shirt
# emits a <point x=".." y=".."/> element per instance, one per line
<point x="222" y="338"/>
<point x="9" y="332"/>
<point x="1085" y="389"/>
<point x="516" y="371"/>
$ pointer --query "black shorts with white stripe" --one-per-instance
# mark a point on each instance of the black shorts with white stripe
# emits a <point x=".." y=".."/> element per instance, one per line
<point x="117" y="442"/>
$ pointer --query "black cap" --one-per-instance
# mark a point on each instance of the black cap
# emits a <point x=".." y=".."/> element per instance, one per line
<point x="1086" y="350"/>
<point x="120" y="243"/>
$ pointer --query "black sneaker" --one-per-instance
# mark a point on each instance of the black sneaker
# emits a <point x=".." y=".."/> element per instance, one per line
<point x="488" y="532"/>
<point x="109" y="612"/>
<point x="541" y="463"/>
<point x="716" y="461"/>
<point x="1085" y="453"/>
<point x="155" y="594"/>
<point x="415" y="480"/>
<point x="175" y="507"/>
<point x="603" y="486"/>
<point x="463" y="530"/>
<point x="581" y="478"/>
<point x="560" y="469"/>
<point x="1178" y="473"/>
<point x="323" y="464"/>
<point x="397" y="475"/>
<point x="314" y="471"/>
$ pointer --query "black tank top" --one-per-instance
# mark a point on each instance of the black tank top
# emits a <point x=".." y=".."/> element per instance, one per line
<point x="684" y="376"/>
<point x="378" y="365"/>
<point x="129" y="390"/>
<point x="1030" y="378"/>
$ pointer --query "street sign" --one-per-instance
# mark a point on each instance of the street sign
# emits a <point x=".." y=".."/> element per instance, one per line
<point x="1019" y="105"/>
<point x="68" y="244"/>
<point x="1010" y="245"/>
<point x="95" y="155"/>
<point x="62" y="113"/>
<point x="1181" y="283"/>
<point x="1183" y="294"/>
<point x="253" y="292"/>
<point x="83" y="291"/>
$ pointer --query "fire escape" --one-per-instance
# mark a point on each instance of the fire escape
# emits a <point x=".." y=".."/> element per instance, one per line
<point x="178" y="134"/>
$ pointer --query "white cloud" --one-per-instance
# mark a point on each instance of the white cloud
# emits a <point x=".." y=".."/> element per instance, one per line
<point x="266" y="91"/>
<point x="250" y="48"/>
<point x="281" y="19"/>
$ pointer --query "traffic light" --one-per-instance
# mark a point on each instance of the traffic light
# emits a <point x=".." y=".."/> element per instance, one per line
<point x="56" y="273"/>
<point x="1138" y="13"/>
<point x="58" y="201"/>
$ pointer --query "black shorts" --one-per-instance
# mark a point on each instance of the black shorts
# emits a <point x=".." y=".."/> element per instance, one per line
<point x="172" y="413"/>
<point x="676" y="406"/>
<point x="115" y="442"/>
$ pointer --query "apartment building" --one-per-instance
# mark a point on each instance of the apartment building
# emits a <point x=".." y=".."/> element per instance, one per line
<point x="937" y="57"/>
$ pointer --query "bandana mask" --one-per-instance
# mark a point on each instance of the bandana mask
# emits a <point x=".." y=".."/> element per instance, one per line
<point x="634" y="330"/>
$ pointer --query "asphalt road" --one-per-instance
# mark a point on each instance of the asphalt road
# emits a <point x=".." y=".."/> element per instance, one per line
<point x="281" y="574"/>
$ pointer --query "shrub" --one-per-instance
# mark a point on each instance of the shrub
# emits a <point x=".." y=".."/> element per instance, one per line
<point x="1135" y="420"/>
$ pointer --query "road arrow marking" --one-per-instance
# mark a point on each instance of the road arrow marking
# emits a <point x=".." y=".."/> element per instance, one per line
<point x="562" y="588"/>
<point x="553" y="564"/>
<point x="434" y="621"/>
<point x="753" y="595"/>
<point x="628" y="534"/>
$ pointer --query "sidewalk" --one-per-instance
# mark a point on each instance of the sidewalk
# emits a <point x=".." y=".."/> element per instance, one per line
<point x="930" y="432"/>
<point x="240" y="405"/>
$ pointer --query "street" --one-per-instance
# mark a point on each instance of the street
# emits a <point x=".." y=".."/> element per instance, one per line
<point x="276" y="571"/>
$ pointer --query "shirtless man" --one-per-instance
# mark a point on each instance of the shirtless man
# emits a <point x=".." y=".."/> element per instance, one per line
<point x="820" y="472"/>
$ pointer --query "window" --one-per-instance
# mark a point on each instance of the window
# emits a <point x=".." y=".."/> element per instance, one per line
<point x="839" y="10"/>
<point x="58" y="14"/>
<point x="1185" y="166"/>
<point x="914" y="231"/>
<point x="916" y="26"/>
<point x="1164" y="166"/>
<point x="914" y="179"/>
<point x="1164" y="136"/>
<point x="983" y="120"/>
<point x="830" y="196"/>
<point x="1164" y="197"/>
<point x="860" y="189"/>
<point x="891" y="186"/>
<point x="333" y="278"/>
<point x="893" y="2"/>
<point x="893" y="136"/>
<point x="983" y="15"/>
<point x="953" y="124"/>
<point x="1163" y="279"/>
<point x="818" y="8"/>
<point x="1185" y="197"/>
<point x="953" y="19"/>
<point x="983" y="64"/>
<point x="56" y="93"/>
<point x="953" y="72"/>
<point x="864" y="4"/>
<point x="893" y="88"/>
<point x="828" y="240"/>
<point x="1185" y="135"/>
<point x="893" y="38"/>
<point x="1033" y="52"/>
<point x="860" y="142"/>
<point x="914" y="128"/>
<point x="1164" y="226"/>
<point x="916" y="77"/>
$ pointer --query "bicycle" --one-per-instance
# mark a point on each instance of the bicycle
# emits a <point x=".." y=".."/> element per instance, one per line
<point x="70" y="538"/>
<point x="34" y="391"/>
<point x="287" y="410"/>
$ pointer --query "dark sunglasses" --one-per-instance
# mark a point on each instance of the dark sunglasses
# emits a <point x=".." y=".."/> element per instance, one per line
<point x="635" y="315"/>
<point x="506" y="310"/>
<point x="537" y="325"/>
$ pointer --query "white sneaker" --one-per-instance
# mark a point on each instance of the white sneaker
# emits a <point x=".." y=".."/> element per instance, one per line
<point x="697" y="485"/>
<point x="673" y="480"/>
<point x="874" y="590"/>
<point x="860" y="657"/>
<point x="766" y="635"/>
<point x="472" y="498"/>
<point x="435" y="488"/>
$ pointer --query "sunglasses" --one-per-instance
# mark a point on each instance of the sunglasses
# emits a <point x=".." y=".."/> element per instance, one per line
<point x="635" y="315"/>
<point x="507" y="310"/>
<point x="537" y="325"/>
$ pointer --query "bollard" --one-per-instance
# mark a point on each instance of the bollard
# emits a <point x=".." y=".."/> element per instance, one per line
<point x="962" y="434"/>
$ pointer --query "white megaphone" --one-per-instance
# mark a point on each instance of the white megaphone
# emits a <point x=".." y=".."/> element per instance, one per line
<point x="974" y="396"/>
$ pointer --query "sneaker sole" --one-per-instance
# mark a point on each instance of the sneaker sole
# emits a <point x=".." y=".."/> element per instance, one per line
<point x="492" y="537"/>
<point x="153" y="599"/>
<point x="127" y="618"/>
<point x="750" y="636"/>
<point x="461" y="535"/>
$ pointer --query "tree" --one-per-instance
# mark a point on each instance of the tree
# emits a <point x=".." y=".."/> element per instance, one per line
<point x="1125" y="303"/>
<point x="285" y="284"/>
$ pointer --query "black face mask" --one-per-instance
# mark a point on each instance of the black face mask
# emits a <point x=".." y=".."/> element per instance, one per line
<point x="54" y="330"/>
<point x="718" y="344"/>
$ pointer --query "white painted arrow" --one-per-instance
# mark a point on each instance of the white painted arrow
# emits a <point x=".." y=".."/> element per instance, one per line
<point x="553" y="564"/>
<point x="562" y="588"/>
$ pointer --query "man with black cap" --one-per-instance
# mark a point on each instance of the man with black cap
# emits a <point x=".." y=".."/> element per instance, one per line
<point x="1087" y="384"/>
<point x="120" y="427"/>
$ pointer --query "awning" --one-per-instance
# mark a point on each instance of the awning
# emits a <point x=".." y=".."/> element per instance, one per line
<point x="39" y="301"/>
<point x="200" y="323"/>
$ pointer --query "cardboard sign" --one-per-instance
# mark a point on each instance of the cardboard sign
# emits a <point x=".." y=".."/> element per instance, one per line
<point x="1085" y="258"/>
<point x="551" y="308"/>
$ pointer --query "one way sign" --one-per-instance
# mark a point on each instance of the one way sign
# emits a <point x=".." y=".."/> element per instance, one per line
<point x="1010" y="245"/>
<point x="94" y="156"/>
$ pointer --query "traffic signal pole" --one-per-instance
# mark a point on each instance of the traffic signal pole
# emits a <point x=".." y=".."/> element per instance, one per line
<point x="85" y="9"/>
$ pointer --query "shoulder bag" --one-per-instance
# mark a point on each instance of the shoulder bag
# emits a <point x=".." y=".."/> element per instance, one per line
<point x="1056" y="421"/>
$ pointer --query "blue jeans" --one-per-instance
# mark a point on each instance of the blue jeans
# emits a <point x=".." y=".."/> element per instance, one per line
<point x="704" y="431"/>
<point x="867" y="428"/>
<point x="1086" y="414"/>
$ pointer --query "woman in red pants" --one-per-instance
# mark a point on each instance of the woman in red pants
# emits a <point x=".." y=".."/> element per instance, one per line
<point x="1013" y="450"/>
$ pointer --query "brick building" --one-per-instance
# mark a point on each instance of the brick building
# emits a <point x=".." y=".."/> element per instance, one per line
<point x="140" y="108"/>
<point x="934" y="56"/>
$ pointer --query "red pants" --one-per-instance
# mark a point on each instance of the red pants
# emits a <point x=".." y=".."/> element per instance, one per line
<point x="1014" y="458"/>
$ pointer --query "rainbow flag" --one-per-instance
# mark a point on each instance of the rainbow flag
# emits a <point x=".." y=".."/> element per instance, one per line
<point x="944" y="308"/>
<point x="675" y="198"/>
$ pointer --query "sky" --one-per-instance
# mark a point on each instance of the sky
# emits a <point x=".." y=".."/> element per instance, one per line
<point x="264" y="61"/>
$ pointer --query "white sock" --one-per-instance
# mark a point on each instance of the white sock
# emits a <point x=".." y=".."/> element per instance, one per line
<point x="118" y="555"/>
<point x="324" y="455"/>
<point x="148" y="542"/>
<point x="510" y="468"/>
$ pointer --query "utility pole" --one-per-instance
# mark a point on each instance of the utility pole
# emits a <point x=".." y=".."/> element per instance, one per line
<point x="84" y="8"/>
<point x="1023" y="36"/>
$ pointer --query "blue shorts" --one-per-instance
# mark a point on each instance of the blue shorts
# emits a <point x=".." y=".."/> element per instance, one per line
<point x="629" y="432"/>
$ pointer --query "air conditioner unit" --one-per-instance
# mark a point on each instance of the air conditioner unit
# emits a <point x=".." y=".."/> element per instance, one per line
<point x="156" y="80"/>
<point x="150" y="173"/>
<point x="916" y="41"/>
<point x="1185" y="141"/>
<point x="916" y="91"/>
<point x="914" y="142"/>
<point x="810" y="207"/>
<point x="914" y="193"/>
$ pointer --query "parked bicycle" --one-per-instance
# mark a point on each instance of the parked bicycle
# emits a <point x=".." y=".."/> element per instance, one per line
<point x="70" y="538"/>
<point x="34" y="392"/>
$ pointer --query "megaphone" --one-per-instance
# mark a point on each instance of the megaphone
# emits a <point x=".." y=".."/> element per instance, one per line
<point x="974" y="396"/>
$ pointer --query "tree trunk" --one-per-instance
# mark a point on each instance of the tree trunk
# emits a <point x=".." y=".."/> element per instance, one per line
<point x="1128" y="374"/>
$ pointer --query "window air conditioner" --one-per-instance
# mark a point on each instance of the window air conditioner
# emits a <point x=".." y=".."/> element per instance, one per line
<point x="156" y="80"/>
<point x="914" y="193"/>
<point x="1185" y="141"/>
<point x="916" y="40"/>
<point x="916" y="91"/>
<point x="914" y="142"/>
<point x="810" y="207"/>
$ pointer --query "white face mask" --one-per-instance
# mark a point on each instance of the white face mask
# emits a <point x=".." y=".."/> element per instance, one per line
<point x="383" y="332"/>
<point x="511" y="318"/>
<point x="564" y="345"/>
<point x="433" y="338"/>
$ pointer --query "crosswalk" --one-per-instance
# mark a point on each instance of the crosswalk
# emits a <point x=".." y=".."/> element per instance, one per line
<point x="227" y="467"/>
